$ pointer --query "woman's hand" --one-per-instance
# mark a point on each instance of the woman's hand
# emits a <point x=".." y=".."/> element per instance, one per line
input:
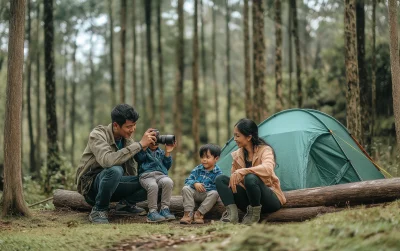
<point x="234" y="181"/>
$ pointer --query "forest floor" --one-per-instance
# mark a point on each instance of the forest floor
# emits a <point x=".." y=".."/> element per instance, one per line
<point x="360" y="228"/>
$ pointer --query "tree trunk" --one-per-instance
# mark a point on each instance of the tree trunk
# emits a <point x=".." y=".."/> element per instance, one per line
<point x="295" y="32"/>
<point x="112" y="81"/>
<point x="73" y="99"/>
<point x="32" y="161"/>
<point x="180" y="57"/>
<point x="152" y="100"/>
<point x="301" y="204"/>
<point x="13" y="197"/>
<point x="134" y="53"/>
<point x="195" y="96"/>
<point x="228" y="71"/>
<point x="353" y="91"/>
<point x="290" y="55"/>
<point x="365" y="89"/>
<point x="373" y="66"/>
<point x="122" y="54"/>
<point x="260" y="105"/>
<point x="143" y="74"/>
<point x="214" y="74"/>
<point x="204" y="103"/>
<point x="38" y="94"/>
<point x="247" y="66"/>
<point x="278" y="57"/>
<point x="53" y="158"/>
<point x="92" y="94"/>
<point x="161" y="108"/>
<point x="395" y="64"/>
<point x="65" y="101"/>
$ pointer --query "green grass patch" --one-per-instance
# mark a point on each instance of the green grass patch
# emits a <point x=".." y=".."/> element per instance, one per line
<point x="361" y="228"/>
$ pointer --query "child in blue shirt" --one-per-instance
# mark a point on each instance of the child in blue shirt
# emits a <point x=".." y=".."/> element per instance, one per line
<point x="200" y="185"/>
<point x="154" y="164"/>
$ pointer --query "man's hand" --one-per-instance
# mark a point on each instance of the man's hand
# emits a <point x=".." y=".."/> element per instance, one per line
<point x="199" y="187"/>
<point x="149" y="137"/>
<point x="169" y="148"/>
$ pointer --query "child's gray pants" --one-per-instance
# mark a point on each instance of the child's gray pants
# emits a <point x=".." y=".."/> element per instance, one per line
<point x="191" y="196"/>
<point x="152" y="182"/>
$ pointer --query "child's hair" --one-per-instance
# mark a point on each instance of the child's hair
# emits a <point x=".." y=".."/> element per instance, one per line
<point x="214" y="150"/>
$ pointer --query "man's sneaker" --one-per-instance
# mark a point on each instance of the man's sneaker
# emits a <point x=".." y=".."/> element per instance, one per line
<point x="123" y="208"/>
<point x="98" y="217"/>
<point x="167" y="214"/>
<point x="155" y="217"/>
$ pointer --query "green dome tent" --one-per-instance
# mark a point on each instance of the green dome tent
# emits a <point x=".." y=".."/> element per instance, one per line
<point x="312" y="149"/>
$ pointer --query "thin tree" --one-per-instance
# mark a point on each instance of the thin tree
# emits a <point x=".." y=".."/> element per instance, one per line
<point x="53" y="159"/>
<point x="143" y="73"/>
<point x="214" y="72"/>
<point x="295" y="32"/>
<point x="204" y="103"/>
<point x="278" y="57"/>
<point x="13" y="197"/>
<point x="134" y="53"/>
<point x="373" y="65"/>
<point x="180" y="63"/>
<point x="395" y="65"/>
<point x="32" y="161"/>
<point x="65" y="100"/>
<point x="38" y="91"/>
<point x="365" y="88"/>
<point x="353" y="90"/>
<point x="247" y="66"/>
<point x="228" y="69"/>
<point x="92" y="99"/>
<point x="260" y="105"/>
<point x="122" y="54"/>
<point x="290" y="25"/>
<point x="195" y="75"/>
<point x="160" y="69"/>
<point x="147" y="12"/>
<point x="73" y="98"/>
<point x="111" y="53"/>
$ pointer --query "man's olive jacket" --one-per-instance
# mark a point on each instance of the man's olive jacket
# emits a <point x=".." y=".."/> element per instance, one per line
<point x="102" y="152"/>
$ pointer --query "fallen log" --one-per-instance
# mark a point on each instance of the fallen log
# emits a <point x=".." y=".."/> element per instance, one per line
<point x="350" y="194"/>
<point x="301" y="204"/>
<point x="73" y="200"/>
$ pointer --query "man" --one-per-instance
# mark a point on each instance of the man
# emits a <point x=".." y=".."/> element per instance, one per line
<point x="107" y="171"/>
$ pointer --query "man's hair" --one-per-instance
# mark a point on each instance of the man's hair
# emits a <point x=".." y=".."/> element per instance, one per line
<point x="123" y="112"/>
<point x="214" y="150"/>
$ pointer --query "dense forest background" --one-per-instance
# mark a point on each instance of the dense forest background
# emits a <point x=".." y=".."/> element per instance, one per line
<point x="192" y="72"/>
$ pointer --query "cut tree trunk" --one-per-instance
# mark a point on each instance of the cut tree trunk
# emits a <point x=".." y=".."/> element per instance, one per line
<point x="301" y="204"/>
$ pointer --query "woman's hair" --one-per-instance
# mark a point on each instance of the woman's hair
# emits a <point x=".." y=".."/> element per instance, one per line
<point x="248" y="127"/>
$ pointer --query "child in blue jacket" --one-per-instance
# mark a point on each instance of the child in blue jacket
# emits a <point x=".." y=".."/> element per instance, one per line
<point x="200" y="185"/>
<point x="154" y="164"/>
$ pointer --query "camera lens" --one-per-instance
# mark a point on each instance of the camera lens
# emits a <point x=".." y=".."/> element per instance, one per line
<point x="166" y="139"/>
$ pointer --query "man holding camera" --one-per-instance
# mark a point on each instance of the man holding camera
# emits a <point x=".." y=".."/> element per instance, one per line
<point x="107" y="171"/>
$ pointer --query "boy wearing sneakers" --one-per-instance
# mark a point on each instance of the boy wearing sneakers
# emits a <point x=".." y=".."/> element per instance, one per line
<point x="154" y="164"/>
<point x="200" y="185"/>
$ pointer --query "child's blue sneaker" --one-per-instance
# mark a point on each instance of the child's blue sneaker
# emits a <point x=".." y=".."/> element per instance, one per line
<point x="167" y="214"/>
<point x="155" y="217"/>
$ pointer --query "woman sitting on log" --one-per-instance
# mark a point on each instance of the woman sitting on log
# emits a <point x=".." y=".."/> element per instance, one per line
<point x="253" y="185"/>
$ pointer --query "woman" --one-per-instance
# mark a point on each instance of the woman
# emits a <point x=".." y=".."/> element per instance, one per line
<point x="253" y="185"/>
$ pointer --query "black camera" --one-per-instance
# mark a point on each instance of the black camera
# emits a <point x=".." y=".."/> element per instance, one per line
<point x="164" y="139"/>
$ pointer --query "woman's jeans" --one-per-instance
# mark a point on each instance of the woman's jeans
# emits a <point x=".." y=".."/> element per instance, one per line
<point x="255" y="194"/>
<point x="110" y="185"/>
